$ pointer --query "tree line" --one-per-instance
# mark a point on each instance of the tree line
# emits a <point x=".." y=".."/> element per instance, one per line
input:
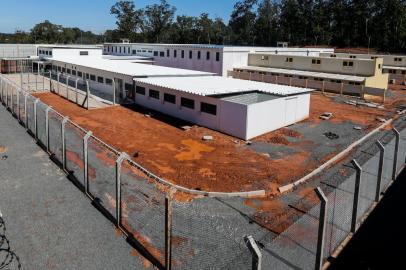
<point x="379" y="24"/>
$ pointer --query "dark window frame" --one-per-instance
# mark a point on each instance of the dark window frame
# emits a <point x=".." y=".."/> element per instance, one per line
<point x="208" y="108"/>
<point x="187" y="103"/>
<point x="152" y="93"/>
<point x="140" y="90"/>
<point x="170" y="98"/>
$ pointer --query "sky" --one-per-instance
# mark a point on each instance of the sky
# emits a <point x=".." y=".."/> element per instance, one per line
<point x="93" y="15"/>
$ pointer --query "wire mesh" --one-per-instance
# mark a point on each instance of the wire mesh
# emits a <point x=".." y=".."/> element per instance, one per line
<point x="143" y="210"/>
<point x="55" y="135"/>
<point x="30" y="114"/>
<point x="388" y="164"/>
<point x="296" y="247"/>
<point x="14" y="104"/>
<point x="41" y="122"/>
<point x="209" y="233"/>
<point x="101" y="174"/>
<point x="74" y="151"/>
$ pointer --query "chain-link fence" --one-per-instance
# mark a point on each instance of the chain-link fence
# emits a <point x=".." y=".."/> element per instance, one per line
<point x="195" y="232"/>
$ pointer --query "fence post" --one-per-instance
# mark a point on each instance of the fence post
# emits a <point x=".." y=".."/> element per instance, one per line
<point x="255" y="251"/>
<point x="395" y="158"/>
<point x="85" y="161"/>
<point x="63" y="139"/>
<point x="36" y="82"/>
<point x="25" y="110"/>
<point x="119" y="162"/>
<point x="7" y="94"/>
<point x="76" y="90"/>
<point x="168" y="232"/>
<point x="114" y="91"/>
<point x="380" y="170"/>
<point x="322" y="228"/>
<point x="1" y="89"/>
<point x="58" y="75"/>
<point x="11" y="99"/>
<point x="87" y="94"/>
<point x="18" y="104"/>
<point x="356" y="195"/>
<point x="47" y="126"/>
<point x="67" y="87"/>
<point x="322" y="87"/>
<point x="35" y="119"/>
<point x="28" y="84"/>
<point x="43" y="82"/>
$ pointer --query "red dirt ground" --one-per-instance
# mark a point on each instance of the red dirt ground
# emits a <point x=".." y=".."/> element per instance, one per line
<point x="224" y="164"/>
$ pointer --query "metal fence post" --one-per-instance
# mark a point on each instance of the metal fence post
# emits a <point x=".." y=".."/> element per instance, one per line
<point x="322" y="228"/>
<point x="255" y="251"/>
<point x="35" y="119"/>
<point x="47" y="126"/>
<point x="18" y="104"/>
<point x="67" y="87"/>
<point x="168" y="232"/>
<point x="85" y="161"/>
<point x="58" y="75"/>
<point x="76" y="91"/>
<point x="43" y="82"/>
<point x="114" y="91"/>
<point x="395" y="158"/>
<point x="356" y="195"/>
<point x="119" y="162"/>
<point x="36" y="82"/>
<point x="380" y="170"/>
<point x="87" y="94"/>
<point x="63" y="139"/>
<point x="25" y="110"/>
<point x="11" y="100"/>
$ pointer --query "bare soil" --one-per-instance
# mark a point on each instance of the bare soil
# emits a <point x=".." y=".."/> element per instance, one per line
<point x="223" y="164"/>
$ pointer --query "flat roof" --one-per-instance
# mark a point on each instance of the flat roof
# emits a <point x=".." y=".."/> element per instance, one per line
<point x="216" y="85"/>
<point x="127" y="67"/>
<point x="216" y="46"/>
<point x="395" y="67"/>
<point x="72" y="46"/>
<point x="324" y="75"/>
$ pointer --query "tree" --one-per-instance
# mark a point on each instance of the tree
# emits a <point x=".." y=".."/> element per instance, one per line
<point x="242" y="22"/>
<point x="46" y="32"/>
<point x="266" y="24"/>
<point x="184" y="30"/>
<point x="129" y="19"/>
<point x="158" y="19"/>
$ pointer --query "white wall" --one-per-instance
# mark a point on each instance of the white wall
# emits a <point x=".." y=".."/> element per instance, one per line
<point x="273" y="114"/>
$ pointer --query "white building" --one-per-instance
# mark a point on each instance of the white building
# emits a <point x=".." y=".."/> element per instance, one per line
<point x="69" y="50"/>
<point x="210" y="58"/>
<point x="243" y="109"/>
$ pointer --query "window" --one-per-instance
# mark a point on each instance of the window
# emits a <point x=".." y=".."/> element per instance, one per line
<point x="109" y="81"/>
<point x="128" y="50"/>
<point x="208" y="56"/>
<point x="80" y="74"/>
<point x="74" y="72"/>
<point x="134" y="52"/>
<point x="120" y="49"/>
<point x="187" y="103"/>
<point x="68" y="71"/>
<point x="379" y="66"/>
<point x="155" y="53"/>
<point x="190" y="54"/>
<point x="403" y="72"/>
<point x="183" y="54"/>
<point x="153" y="94"/>
<point x="161" y="54"/>
<point x="208" y="108"/>
<point x="175" y="53"/>
<point x="217" y="56"/>
<point x="140" y="90"/>
<point x="167" y="53"/>
<point x="92" y="77"/>
<point x="83" y="53"/>
<point x="128" y="87"/>
<point x="353" y="56"/>
<point x="100" y="79"/>
<point x="87" y="76"/>
<point x="289" y="59"/>
<point x="265" y="57"/>
<point x="59" y="69"/>
<point x="333" y="55"/>
<point x="373" y="57"/>
<point x="50" y="53"/>
<point x="398" y="59"/>
<point x="316" y="61"/>
<point x="63" y="70"/>
<point x="169" y="98"/>
<point x="199" y="55"/>
<point x="348" y="63"/>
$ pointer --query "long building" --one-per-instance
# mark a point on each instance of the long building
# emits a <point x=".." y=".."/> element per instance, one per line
<point x="217" y="59"/>
<point x="343" y="75"/>
<point x="394" y="65"/>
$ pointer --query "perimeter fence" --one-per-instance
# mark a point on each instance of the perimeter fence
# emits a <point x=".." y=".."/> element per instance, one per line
<point x="206" y="232"/>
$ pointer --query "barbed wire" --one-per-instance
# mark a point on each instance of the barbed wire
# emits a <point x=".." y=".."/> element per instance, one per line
<point x="8" y="258"/>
